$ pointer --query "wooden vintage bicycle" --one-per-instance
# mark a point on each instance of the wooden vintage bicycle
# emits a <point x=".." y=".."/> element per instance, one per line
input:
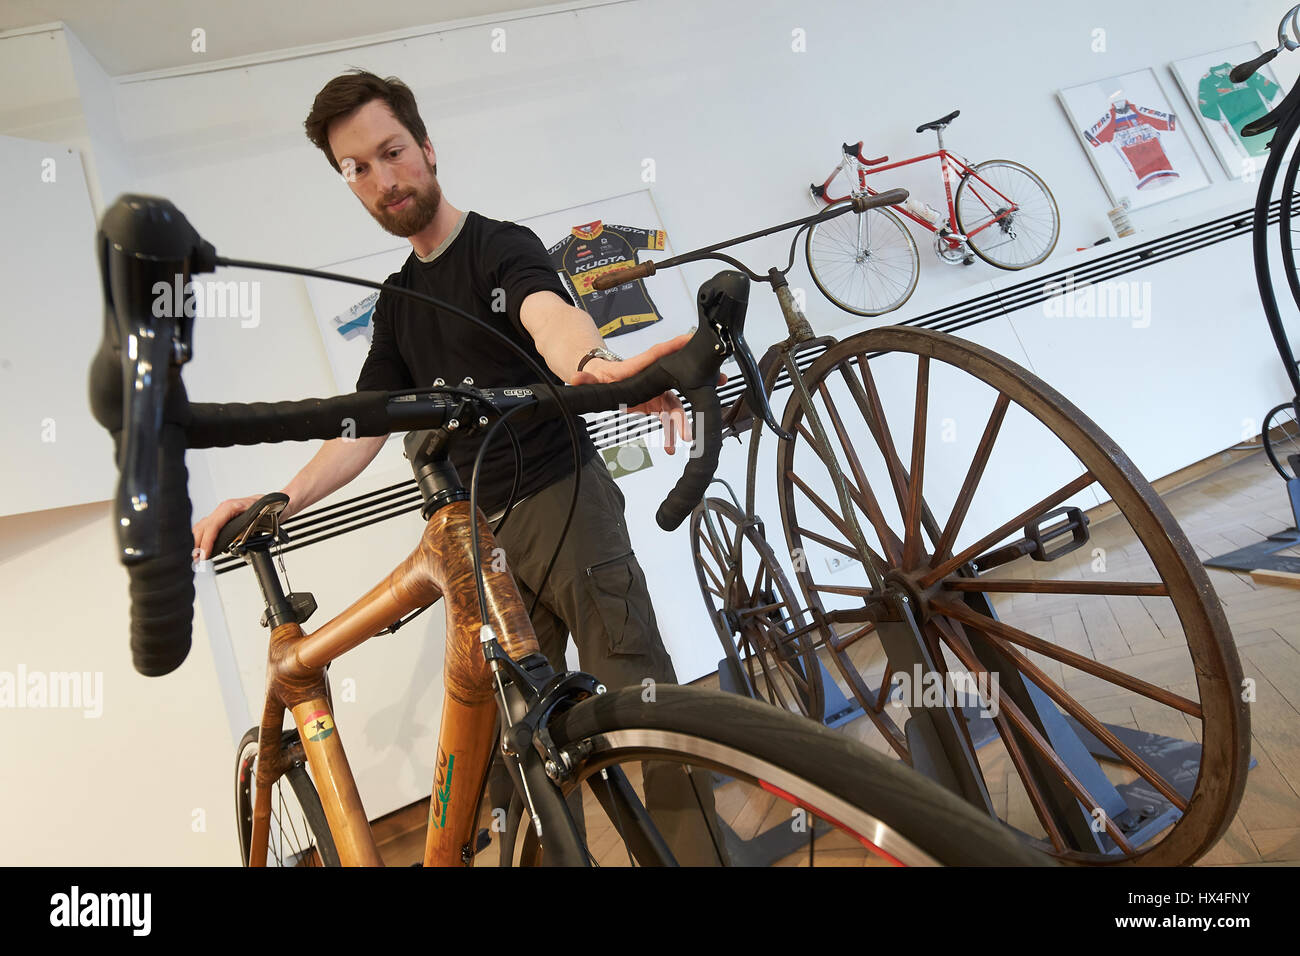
<point x="605" y="775"/>
<point x="946" y="488"/>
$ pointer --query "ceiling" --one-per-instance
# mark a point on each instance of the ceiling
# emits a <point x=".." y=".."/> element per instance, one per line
<point x="134" y="36"/>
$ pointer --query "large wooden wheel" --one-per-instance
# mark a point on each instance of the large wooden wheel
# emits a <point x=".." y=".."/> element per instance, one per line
<point x="1090" y="640"/>
<point x="755" y="610"/>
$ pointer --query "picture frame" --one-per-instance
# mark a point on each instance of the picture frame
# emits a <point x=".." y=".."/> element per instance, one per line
<point x="1135" y="139"/>
<point x="1222" y="107"/>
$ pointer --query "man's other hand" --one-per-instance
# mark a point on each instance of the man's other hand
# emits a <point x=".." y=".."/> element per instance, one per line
<point x="666" y="406"/>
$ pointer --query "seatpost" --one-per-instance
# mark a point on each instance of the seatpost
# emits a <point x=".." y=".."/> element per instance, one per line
<point x="795" y="320"/>
<point x="939" y="133"/>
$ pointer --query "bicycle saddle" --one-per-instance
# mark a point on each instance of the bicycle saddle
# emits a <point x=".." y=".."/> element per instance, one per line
<point x="939" y="123"/>
<point x="258" y="519"/>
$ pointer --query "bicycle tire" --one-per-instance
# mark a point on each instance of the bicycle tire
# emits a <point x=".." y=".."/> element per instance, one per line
<point x="910" y="817"/>
<point x="978" y="244"/>
<point x="313" y="815"/>
<point x="821" y="234"/>
<point x="1288" y="442"/>
<point x="1286" y="236"/>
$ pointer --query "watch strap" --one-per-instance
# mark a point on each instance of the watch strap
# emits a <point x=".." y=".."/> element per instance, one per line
<point x="598" y="352"/>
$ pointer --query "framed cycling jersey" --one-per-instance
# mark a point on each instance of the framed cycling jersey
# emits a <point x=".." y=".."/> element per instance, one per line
<point x="1223" y="108"/>
<point x="587" y="241"/>
<point x="1135" y="139"/>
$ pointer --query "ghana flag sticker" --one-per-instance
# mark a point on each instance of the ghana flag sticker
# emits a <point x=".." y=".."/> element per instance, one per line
<point x="319" y="725"/>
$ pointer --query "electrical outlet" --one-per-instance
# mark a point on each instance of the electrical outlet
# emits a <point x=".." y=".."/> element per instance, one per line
<point x="838" y="562"/>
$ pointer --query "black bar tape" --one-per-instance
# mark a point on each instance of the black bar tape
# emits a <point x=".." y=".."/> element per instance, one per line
<point x="600" y="397"/>
<point x="690" y="487"/>
<point x="162" y="587"/>
<point x="357" y="415"/>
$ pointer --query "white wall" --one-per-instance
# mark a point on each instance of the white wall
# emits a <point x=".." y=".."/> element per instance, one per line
<point x="737" y="125"/>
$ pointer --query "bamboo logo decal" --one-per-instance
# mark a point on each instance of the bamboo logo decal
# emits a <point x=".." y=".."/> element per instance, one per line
<point x="319" y="725"/>
<point x="441" y="790"/>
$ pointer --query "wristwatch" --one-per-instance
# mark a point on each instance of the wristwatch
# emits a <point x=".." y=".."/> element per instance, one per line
<point x="599" y="352"/>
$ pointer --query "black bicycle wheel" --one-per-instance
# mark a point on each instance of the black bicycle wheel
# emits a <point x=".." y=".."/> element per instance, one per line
<point x="300" y="835"/>
<point x="1288" y="227"/>
<point x="1282" y="438"/>
<point x="757" y="786"/>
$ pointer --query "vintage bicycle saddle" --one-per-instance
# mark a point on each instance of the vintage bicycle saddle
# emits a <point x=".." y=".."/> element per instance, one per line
<point x="260" y="518"/>
<point x="939" y="123"/>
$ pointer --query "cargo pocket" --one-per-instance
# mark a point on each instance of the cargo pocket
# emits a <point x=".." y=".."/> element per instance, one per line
<point x="617" y="589"/>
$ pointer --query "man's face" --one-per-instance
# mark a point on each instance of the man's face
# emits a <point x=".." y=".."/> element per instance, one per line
<point x="391" y="175"/>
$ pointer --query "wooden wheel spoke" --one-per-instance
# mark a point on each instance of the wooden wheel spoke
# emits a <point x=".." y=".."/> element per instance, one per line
<point x="831" y="543"/>
<point x="760" y="609"/>
<point x="880" y="431"/>
<point x="721" y="588"/>
<point x="1056" y="497"/>
<point x="952" y="632"/>
<point x="973" y="476"/>
<point x="1078" y="712"/>
<point x="859" y="488"/>
<point x="1005" y="634"/>
<point x="1042" y="747"/>
<point x="851" y="590"/>
<point x="1035" y="586"/>
<point x="839" y="524"/>
<point x="916" y="474"/>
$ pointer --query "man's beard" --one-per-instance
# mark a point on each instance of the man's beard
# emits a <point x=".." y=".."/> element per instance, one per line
<point x="417" y="214"/>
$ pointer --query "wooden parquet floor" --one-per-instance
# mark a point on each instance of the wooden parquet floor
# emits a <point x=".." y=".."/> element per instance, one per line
<point x="1141" y="636"/>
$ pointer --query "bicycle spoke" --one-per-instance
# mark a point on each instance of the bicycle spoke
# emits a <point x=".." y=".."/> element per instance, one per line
<point x="1081" y="714"/>
<point x="1015" y="752"/>
<point x="912" y="516"/>
<point x="973" y="475"/>
<point x="1002" y="634"/>
<point x="1051" y="501"/>
<point x="1044" y="750"/>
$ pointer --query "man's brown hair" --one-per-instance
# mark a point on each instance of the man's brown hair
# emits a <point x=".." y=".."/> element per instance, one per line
<point x="350" y="91"/>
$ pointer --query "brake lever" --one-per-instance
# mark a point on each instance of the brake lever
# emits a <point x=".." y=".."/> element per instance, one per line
<point x="723" y="301"/>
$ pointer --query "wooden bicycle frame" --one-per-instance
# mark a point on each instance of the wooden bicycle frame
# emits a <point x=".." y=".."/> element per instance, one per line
<point x="440" y="566"/>
<point x="951" y="166"/>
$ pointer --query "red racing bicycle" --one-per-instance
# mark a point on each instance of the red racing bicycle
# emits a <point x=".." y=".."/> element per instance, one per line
<point x="868" y="264"/>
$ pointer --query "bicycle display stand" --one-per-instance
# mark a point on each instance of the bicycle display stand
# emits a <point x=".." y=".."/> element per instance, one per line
<point x="1260" y="555"/>
<point x="839" y="709"/>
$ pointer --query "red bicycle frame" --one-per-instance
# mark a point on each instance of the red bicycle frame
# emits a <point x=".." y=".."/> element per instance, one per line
<point x="950" y="165"/>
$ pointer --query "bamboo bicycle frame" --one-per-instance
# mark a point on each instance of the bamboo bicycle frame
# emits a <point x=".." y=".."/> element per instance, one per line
<point x="440" y="566"/>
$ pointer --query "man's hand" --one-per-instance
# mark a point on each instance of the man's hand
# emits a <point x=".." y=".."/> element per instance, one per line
<point x="206" y="531"/>
<point x="667" y="406"/>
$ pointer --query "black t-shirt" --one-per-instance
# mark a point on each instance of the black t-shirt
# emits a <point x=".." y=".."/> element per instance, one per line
<point x="485" y="263"/>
